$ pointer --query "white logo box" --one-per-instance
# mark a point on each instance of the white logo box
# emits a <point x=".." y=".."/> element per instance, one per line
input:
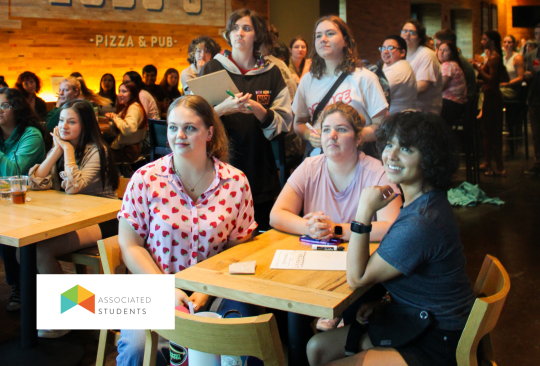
<point x="121" y="302"/>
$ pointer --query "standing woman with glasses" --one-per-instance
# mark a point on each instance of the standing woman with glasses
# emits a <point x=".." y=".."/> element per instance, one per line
<point x="335" y="54"/>
<point x="425" y="65"/>
<point x="492" y="73"/>
<point x="299" y="64"/>
<point x="400" y="75"/>
<point x="21" y="138"/>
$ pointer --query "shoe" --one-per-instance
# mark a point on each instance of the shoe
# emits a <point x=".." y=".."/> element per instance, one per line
<point x="52" y="333"/>
<point x="14" y="303"/>
<point x="324" y="324"/>
<point x="534" y="171"/>
<point x="341" y="323"/>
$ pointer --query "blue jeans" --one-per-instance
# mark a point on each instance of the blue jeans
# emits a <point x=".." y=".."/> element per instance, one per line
<point x="131" y="343"/>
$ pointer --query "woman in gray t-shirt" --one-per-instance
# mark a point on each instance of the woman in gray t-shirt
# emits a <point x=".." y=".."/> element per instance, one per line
<point x="420" y="260"/>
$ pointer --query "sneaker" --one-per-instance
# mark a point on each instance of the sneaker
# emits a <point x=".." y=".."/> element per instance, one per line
<point x="324" y="324"/>
<point x="52" y="333"/>
<point x="534" y="171"/>
<point x="14" y="303"/>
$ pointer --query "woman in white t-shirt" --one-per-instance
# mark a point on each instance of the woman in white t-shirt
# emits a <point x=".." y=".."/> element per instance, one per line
<point x="400" y="75"/>
<point x="514" y="64"/>
<point x="425" y="65"/>
<point x="333" y="54"/>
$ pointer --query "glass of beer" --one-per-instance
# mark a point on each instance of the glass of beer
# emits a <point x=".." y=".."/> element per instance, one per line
<point x="5" y="190"/>
<point x="19" y="186"/>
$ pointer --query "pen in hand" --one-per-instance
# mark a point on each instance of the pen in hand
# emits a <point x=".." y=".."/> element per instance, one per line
<point x="312" y="129"/>
<point x="234" y="96"/>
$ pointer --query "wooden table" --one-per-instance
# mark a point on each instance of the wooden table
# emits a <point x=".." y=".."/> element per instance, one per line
<point x="48" y="214"/>
<point x="316" y="293"/>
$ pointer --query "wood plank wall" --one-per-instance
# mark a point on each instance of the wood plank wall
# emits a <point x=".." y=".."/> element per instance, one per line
<point x="54" y="47"/>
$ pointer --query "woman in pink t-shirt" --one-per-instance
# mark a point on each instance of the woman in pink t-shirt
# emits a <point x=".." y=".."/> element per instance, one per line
<point x="184" y="207"/>
<point x="328" y="186"/>
<point x="454" y="83"/>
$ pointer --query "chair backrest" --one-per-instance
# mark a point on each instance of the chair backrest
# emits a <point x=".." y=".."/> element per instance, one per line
<point x="254" y="336"/>
<point x="491" y="289"/>
<point x="122" y="185"/>
<point x="110" y="253"/>
<point x="158" y="138"/>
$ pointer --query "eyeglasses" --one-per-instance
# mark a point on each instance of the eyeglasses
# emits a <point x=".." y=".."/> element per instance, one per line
<point x="411" y="32"/>
<point x="389" y="48"/>
<point x="5" y="107"/>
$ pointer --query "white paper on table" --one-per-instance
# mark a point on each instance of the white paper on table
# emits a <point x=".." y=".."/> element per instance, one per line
<point x="310" y="260"/>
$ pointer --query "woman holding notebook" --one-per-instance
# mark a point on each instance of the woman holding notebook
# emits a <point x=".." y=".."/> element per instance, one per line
<point x="261" y="111"/>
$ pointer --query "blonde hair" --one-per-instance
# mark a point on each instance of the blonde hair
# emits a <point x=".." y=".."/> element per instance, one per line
<point x="218" y="146"/>
<point x="80" y="85"/>
<point x="351" y="115"/>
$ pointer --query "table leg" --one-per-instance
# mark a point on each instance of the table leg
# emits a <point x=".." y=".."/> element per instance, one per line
<point x="28" y="297"/>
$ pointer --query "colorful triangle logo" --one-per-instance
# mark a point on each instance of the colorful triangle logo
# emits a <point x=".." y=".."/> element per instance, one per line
<point x="77" y="295"/>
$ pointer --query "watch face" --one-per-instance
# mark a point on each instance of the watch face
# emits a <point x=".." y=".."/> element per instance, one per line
<point x="338" y="230"/>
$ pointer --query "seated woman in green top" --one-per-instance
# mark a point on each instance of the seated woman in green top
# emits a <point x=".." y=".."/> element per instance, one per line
<point x="20" y="137"/>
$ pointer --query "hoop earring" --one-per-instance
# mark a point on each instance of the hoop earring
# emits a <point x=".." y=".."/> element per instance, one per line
<point x="168" y="145"/>
<point x="208" y="145"/>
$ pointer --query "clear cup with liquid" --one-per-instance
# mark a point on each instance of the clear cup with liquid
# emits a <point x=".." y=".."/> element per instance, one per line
<point x="19" y="186"/>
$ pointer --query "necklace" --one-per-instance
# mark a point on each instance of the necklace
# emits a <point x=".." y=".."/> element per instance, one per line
<point x="191" y="188"/>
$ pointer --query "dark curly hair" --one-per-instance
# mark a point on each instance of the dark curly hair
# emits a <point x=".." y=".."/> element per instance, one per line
<point x="350" y="60"/>
<point x="24" y="115"/>
<point x="431" y="135"/>
<point x="259" y="25"/>
<point x="209" y="44"/>
<point x="25" y="76"/>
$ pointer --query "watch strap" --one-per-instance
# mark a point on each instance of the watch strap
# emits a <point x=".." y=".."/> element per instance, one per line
<point x="359" y="228"/>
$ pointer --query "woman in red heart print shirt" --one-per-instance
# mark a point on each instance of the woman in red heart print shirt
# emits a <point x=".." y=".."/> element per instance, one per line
<point x="187" y="206"/>
<point x="183" y="208"/>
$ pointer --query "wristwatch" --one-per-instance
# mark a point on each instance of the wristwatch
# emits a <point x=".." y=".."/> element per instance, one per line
<point x="338" y="231"/>
<point x="359" y="228"/>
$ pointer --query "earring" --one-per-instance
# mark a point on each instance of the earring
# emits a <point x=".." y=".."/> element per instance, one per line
<point x="168" y="145"/>
<point x="208" y="145"/>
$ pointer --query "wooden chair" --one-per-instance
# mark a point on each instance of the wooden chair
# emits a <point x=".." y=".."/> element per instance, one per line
<point x="491" y="289"/>
<point x="158" y="138"/>
<point x="254" y="336"/>
<point x="111" y="259"/>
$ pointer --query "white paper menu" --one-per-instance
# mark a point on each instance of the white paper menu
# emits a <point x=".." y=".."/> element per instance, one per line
<point x="309" y="260"/>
